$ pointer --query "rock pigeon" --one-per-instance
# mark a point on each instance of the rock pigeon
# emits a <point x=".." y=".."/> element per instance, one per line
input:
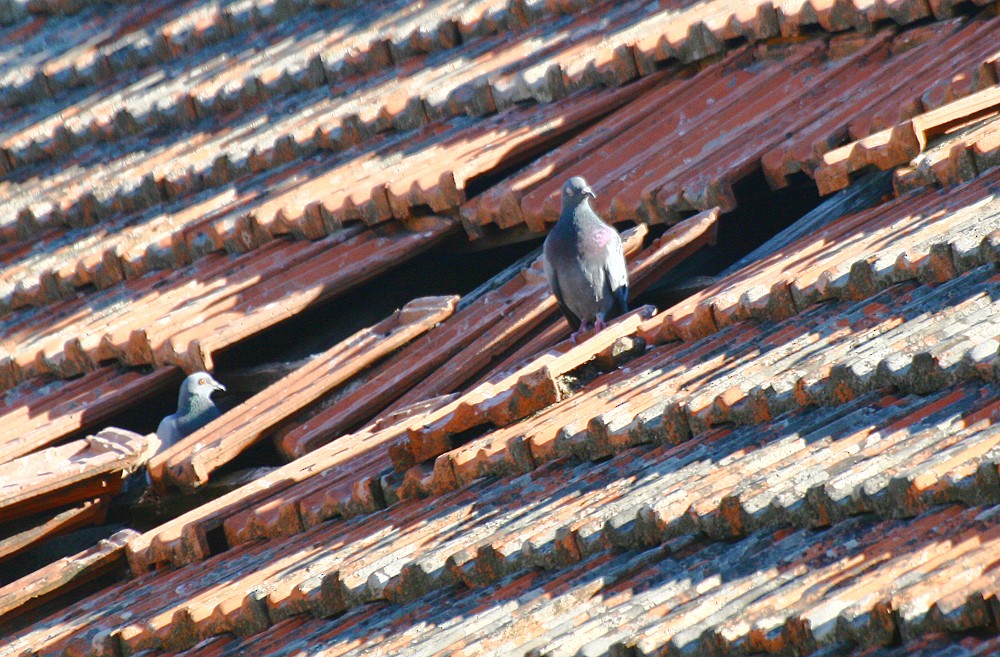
<point x="584" y="262"/>
<point x="195" y="409"/>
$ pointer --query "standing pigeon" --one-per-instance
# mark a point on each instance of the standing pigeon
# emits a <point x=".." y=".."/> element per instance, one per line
<point x="584" y="262"/>
<point x="195" y="409"/>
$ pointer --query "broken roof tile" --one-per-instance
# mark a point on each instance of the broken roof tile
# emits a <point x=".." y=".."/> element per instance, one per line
<point x="189" y="462"/>
<point x="42" y="528"/>
<point x="70" y="473"/>
<point x="196" y="305"/>
<point x="36" y="413"/>
<point x="659" y="257"/>
<point x="18" y="597"/>
<point x="714" y="381"/>
<point x="956" y="158"/>
<point x="850" y="258"/>
<point x="283" y="512"/>
<point x="903" y="142"/>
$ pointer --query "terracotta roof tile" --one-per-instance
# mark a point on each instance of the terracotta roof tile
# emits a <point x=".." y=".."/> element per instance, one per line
<point x="70" y="473"/>
<point x="189" y="462"/>
<point x="84" y="514"/>
<point x="21" y="595"/>
<point x="785" y="590"/>
<point x="196" y="305"/>
<point x="903" y="142"/>
<point x="37" y="414"/>
<point x="959" y="157"/>
<point x="850" y="258"/>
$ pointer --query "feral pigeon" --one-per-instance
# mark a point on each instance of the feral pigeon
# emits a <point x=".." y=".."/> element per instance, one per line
<point x="195" y="409"/>
<point x="584" y="262"/>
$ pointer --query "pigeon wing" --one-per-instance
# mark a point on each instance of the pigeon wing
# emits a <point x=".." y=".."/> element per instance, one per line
<point x="552" y="276"/>
<point x="616" y="277"/>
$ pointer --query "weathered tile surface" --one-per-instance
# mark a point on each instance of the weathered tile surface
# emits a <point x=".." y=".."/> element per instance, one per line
<point x="17" y="598"/>
<point x="190" y="462"/>
<point x="210" y="304"/>
<point x="67" y="474"/>
<point x="802" y="459"/>
<point x="36" y="413"/>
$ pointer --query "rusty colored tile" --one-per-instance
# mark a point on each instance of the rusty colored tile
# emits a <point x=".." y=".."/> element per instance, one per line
<point x="71" y="473"/>
<point x="903" y="142"/>
<point x="508" y="399"/>
<point x="189" y="462"/>
<point x="37" y="414"/>
<point x="851" y="258"/>
<point x="20" y="596"/>
<point x="87" y="513"/>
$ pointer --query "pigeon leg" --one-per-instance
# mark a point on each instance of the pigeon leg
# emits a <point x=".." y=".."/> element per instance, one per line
<point x="576" y="334"/>
<point x="599" y="324"/>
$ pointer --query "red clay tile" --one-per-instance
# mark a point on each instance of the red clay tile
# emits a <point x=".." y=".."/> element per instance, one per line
<point x="36" y="415"/>
<point x="87" y="513"/>
<point x="190" y="462"/>
<point x="903" y="142"/>
<point x="70" y="473"/>
<point x="20" y="596"/>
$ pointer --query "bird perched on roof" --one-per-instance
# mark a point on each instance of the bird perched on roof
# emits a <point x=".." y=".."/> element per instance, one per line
<point x="195" y="409"/>
<point x="584" y="262"/>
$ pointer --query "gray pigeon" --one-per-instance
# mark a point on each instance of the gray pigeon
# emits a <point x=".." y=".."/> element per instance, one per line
<point x="584" y="262"/>
<point x="195" y="409"/>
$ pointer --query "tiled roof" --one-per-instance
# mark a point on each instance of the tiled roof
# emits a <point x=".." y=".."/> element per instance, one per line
<point x="801" y="458"/>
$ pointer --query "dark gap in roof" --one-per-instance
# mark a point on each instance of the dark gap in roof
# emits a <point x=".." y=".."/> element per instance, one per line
<point x="423" y="210"/>
<point x="216" y="540"/>
<point x="439" y="271"/>
<point x="144" y="414"/>
<point x="456" y="440"/>
<point x="375" y="486"/>
<point x="260" y="454"/>
<point x="50" y="550"/>
<point x="761" y="212"/>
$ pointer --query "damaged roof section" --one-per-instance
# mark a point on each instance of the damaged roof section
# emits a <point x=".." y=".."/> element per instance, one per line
<point x="34" y="416"/>
<point x="800" y="458"/>
<point x="756" y="108"/>
<point x="330" y="488"/>
<point x="208" y="305"/>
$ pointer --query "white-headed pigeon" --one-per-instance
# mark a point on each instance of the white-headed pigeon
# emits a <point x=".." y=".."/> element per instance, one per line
<point x="195" y="409"/>
<point x="584" y="262"/>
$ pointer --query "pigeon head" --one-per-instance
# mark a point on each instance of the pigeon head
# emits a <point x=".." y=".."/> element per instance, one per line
<point x="575" y="190"/>
<point x="197" y="390"/>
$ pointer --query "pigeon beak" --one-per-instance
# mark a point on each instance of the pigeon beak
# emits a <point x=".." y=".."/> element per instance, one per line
<point x="219" y="386"/>
<point x="589" y="192"/>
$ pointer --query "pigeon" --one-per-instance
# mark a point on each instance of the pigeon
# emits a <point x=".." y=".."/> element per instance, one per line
<point x="584" y="262"/>
<point x="195" y="409"/>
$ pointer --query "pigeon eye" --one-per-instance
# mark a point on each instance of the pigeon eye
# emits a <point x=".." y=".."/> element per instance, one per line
<point x="202" y="382"/>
